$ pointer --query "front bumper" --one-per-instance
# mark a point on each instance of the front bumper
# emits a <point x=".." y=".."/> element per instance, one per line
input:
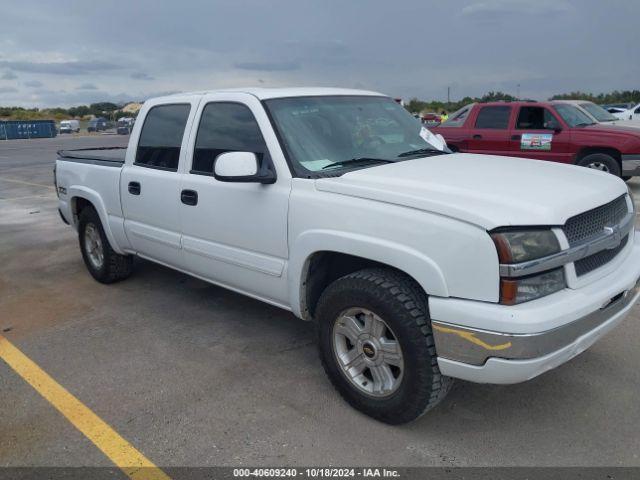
<point x="630" y="165"/>
<point x="542" y="334"/>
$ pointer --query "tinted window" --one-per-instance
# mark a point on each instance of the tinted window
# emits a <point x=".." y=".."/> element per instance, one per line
<point x="493" y="117"/>
<point x="226" y="127"/>
<point x="536" y="118"/>
<point x="161" y="137"/>
<point x="457" y="118"/>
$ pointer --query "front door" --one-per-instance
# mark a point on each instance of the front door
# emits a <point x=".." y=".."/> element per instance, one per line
<point x="539" y="134"/>
<point x="150" y="183"/>
<point x="235" y="234"/>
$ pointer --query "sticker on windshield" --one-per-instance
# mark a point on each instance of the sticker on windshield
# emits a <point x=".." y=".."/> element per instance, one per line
<point x="435" y="140"/>
<point x="536" y="141"/>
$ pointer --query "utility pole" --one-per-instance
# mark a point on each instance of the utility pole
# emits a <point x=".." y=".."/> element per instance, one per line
<point x="448" y="94"/>
<point x="518" y="93"/>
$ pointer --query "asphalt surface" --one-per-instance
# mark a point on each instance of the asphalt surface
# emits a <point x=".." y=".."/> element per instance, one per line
<point x="194" y="375"/>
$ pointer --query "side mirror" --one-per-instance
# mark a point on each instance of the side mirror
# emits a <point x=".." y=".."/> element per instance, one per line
<point x="242" y="167"/>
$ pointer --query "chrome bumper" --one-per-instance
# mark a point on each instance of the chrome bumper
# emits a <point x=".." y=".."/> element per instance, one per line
<point x="474" y="347"/>
<point x="630" y="165"/>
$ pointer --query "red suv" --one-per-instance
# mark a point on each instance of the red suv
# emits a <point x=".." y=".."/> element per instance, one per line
<point x="556" y="131"/>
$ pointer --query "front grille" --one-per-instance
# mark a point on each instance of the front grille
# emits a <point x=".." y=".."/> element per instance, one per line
<point x="597" y="260"/>
<point x="592" y="223"/>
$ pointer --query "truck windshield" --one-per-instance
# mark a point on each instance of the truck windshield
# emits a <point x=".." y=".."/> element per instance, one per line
<point x="598" y="112"/>
<point x="573" y="116"/>
<point x="326" y="133"/>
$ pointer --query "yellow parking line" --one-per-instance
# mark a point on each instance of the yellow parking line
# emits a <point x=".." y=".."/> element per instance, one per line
<point x="124" y="455"/>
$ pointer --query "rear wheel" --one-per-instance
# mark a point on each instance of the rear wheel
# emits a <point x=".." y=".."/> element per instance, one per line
<point x="377" y="347"/>
<point x="602" y="162"/>
<point x="104" y="264"/>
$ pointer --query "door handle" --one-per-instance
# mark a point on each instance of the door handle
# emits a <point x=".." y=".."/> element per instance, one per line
<point x="515" y="137"/>
<point x="134" y="188"/>
<point x="189" y="197"/>
<point x="477" y="137"/>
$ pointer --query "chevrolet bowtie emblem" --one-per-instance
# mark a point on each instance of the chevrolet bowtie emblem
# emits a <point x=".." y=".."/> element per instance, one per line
<point x="615" y="236"/>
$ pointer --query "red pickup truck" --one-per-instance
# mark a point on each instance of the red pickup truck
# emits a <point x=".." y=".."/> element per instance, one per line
<point x="556" y="131"/>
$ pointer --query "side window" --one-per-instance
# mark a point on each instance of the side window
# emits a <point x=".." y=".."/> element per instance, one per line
<point x="225" y="127"/>
<point x="494" y="117"/>
<point x="536" y="118"/>
<point x="161" y="137"/>
<point x="457" y="118"/>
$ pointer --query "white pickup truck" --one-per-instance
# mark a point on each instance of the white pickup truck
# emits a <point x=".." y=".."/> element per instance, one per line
<point x="417" y="265"/>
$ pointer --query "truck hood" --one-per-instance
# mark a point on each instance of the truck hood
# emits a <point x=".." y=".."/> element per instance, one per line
<point x="486" y="190"/>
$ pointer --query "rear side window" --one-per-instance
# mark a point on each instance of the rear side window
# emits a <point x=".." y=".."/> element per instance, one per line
<point x="161" y="137"/>
<point x="225" y="127"/>
<point x="494" y="117"/>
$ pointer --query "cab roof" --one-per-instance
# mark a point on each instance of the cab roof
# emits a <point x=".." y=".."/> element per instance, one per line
<point x="266" y="93"/>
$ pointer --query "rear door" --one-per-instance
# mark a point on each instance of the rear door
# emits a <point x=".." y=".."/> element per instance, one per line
<point x="539" y="133"/>
<point x="150" y="182"/>
<point x="490" y="131"/>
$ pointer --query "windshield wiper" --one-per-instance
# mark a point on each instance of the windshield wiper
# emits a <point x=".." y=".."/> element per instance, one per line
<point x="354" y="161"/>
<point x="585" y="124"/>
<point x="421" y="151"/>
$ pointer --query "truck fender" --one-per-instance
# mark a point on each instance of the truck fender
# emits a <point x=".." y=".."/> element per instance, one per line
<point x="406" y="259"/>
<point x="79" y="191"/>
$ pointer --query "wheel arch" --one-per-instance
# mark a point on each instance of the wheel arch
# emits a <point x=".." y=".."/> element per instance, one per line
<point x="616" y="154"/>
<point x="319" y="258"/>
<point x="81" y="198"/>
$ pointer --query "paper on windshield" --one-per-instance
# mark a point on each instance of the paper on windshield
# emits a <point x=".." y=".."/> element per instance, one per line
<point x="435" y="140"/>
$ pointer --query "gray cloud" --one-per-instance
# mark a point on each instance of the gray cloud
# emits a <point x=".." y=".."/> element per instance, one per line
<point x="500" y="8"/>
<point x="9" y="75"/>
<point x="141" y="76"/>
<point x="8" y="90"/>
<point x="404" y="49"/>
<point x="268" y="66"/>
<point x="60" y="68"/>
<point x="87" y="86"/>
<point x="33" y="83"/>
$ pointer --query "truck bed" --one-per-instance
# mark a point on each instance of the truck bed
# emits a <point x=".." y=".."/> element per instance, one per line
<point x="106" y="156"/>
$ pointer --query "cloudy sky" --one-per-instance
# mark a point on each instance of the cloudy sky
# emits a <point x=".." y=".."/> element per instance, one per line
<point x="75" y="52"/>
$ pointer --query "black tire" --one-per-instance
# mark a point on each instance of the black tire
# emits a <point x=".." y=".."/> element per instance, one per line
<point x="402" y="304"/>
<point x="601" y="161"/>
<point x="114" y="266"/>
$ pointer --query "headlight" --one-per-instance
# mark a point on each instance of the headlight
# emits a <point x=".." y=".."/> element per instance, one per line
<point x="516" y="246"/>
<point x="524" y="245"/>
<point x="518" y="290"/>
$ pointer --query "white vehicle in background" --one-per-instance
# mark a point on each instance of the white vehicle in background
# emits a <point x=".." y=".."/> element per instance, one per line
<point x="631" y="114"/>
<point x="598" y="113"/>
<point x="416" y="265"/>
<point x="69" y="126"/>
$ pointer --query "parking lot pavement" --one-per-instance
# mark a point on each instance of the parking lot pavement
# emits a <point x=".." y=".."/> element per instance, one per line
<point x="191" y="374"/>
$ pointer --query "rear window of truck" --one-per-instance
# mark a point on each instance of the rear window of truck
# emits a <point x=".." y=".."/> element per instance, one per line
<point x="161" y="137"/>
<point x="494" y="117"/>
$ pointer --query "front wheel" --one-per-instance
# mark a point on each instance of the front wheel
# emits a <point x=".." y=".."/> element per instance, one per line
<point x="602" y="162"/>
<point x="377" y="347"/>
